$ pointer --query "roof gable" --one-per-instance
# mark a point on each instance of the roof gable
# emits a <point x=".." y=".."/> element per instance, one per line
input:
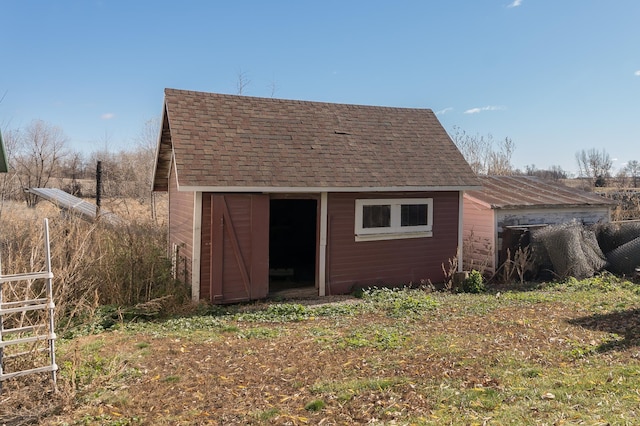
<point x="227" y="141"/>
<point x="510" y="192"/>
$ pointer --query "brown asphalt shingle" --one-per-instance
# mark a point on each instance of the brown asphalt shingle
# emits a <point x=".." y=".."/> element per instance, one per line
<point x="239" y="141"/>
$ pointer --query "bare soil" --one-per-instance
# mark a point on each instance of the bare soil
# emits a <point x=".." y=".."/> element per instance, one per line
<point x="228" y="378"/>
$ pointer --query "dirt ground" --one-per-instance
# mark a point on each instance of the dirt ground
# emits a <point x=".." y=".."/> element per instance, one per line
<point x="269" y="373"/>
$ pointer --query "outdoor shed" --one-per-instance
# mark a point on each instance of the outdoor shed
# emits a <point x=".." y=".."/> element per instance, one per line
<point x="268" y="193"/>
<point x="496" y="216"/>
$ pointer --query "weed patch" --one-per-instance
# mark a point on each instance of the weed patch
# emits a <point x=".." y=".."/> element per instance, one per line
<point x="558" y="354"/>
<point x="381" y="338"/>
<point x="400" y="302"/>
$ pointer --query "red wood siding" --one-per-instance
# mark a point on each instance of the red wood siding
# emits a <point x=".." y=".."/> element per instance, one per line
<point x="478" y="239"/>
<point x="181" y="227"/>
<point x="388" y="262"/>
<point x="205" y="248"/>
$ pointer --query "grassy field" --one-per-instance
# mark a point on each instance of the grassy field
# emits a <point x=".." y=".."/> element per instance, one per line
<point x="556" y="354"/>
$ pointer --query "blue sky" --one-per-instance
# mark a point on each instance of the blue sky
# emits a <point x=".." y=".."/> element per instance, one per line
<point x="554" y="76"/>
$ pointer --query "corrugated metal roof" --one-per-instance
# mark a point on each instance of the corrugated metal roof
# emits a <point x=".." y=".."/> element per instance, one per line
<point x="78" y="206"/>
<point x="509" y="192"/>
<point x="226" y="141"/>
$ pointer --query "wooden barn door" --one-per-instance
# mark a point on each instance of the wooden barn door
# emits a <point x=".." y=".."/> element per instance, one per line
<point x="240" y="252"/>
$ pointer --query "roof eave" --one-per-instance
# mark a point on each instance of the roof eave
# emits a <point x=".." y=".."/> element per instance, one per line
<point x="318" y="189"/>
<point x="164" y="155"/>
<point x="548" y="206"/>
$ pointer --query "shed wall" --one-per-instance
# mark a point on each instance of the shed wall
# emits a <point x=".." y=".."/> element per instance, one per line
<point x="479" y="231"/>
<point x="388" y="262"/>
<point x="550" y="216"/>
<point x="181" y="206"/>
<point x="206" y="247"/>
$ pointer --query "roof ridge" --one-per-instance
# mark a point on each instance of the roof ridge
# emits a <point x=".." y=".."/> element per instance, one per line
<point x="303" y="101"/>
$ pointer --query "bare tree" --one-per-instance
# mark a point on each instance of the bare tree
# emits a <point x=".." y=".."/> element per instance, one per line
<point x="145" y="152"/>
<point x="127" y="174"/>
<point x="594" y="165"/>
<point x="633" y="169"/>
<point x="243" y="82"/>
<point x="273" y="87"/>
<point x="500" y="159"/>
<point x="73" y="167"/>
<point x="475" y="149"/>
<point x="553" y="173"/>
<point x="41" y="147"/>
<point x="484" y="155"/>
<point x="622" y="178"/>
<point x="147" y="139"/>
<point x="8" y="182"/>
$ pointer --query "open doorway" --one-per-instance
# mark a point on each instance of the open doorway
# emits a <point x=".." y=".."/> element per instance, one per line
<point x="292" y="244"/>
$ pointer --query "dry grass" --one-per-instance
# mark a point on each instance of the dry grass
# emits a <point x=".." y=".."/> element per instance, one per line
<point x="567" y="354"/>
<point x="94" y="265"/>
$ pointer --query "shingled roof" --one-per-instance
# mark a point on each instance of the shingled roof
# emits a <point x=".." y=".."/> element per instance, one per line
<point x="239" y="143"/>
<point x="512" y="192"/>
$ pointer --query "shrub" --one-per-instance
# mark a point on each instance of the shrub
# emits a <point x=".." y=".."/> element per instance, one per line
<point x="474" y="283"/>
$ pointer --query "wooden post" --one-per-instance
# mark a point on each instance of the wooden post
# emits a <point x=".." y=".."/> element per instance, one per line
<point x="98" y="188"/>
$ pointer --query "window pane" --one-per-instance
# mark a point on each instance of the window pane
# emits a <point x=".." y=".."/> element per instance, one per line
<point x="413" y="215"/>
<point x="376" y="216"/>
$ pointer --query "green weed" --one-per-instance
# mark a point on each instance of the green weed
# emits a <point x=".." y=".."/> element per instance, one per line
<point x="381" y="338"/>
<point x="400" y="302"/>
<point x="280" y="312"/>
<point x="315" y="405"/>
<point x="259" y="333"/>
<point x="267" y="414"/>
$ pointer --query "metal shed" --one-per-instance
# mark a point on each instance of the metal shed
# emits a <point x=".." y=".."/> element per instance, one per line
<point x="496" y="215"/>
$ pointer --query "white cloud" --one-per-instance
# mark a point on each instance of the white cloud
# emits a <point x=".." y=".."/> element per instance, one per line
<point x="486" y="108"/>
<point x="444" y="111"/>
<point x="637" y="73"/>
<point x="107" y="116"/>
<point x="515" y="3"/>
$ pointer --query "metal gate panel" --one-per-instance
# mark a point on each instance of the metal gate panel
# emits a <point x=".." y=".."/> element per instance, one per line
<point x="31" y="333"/>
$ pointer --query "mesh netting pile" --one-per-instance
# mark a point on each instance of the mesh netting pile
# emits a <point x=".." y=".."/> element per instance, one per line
<point x="621" y="243"/>
<point x="572" y="249"/>
<point x="568" y="249"/>
<point x="613" y="235"/>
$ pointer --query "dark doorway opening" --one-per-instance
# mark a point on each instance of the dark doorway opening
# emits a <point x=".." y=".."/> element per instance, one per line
<point x="292" y="244"/>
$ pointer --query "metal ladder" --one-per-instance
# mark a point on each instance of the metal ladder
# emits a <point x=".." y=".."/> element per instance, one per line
<point x="30" y="333"/>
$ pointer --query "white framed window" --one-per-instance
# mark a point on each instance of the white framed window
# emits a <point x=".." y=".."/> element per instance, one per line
<point x="393" y="218"/>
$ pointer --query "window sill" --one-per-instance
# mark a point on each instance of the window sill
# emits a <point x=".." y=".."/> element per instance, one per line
<point x="394" y="236"/>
